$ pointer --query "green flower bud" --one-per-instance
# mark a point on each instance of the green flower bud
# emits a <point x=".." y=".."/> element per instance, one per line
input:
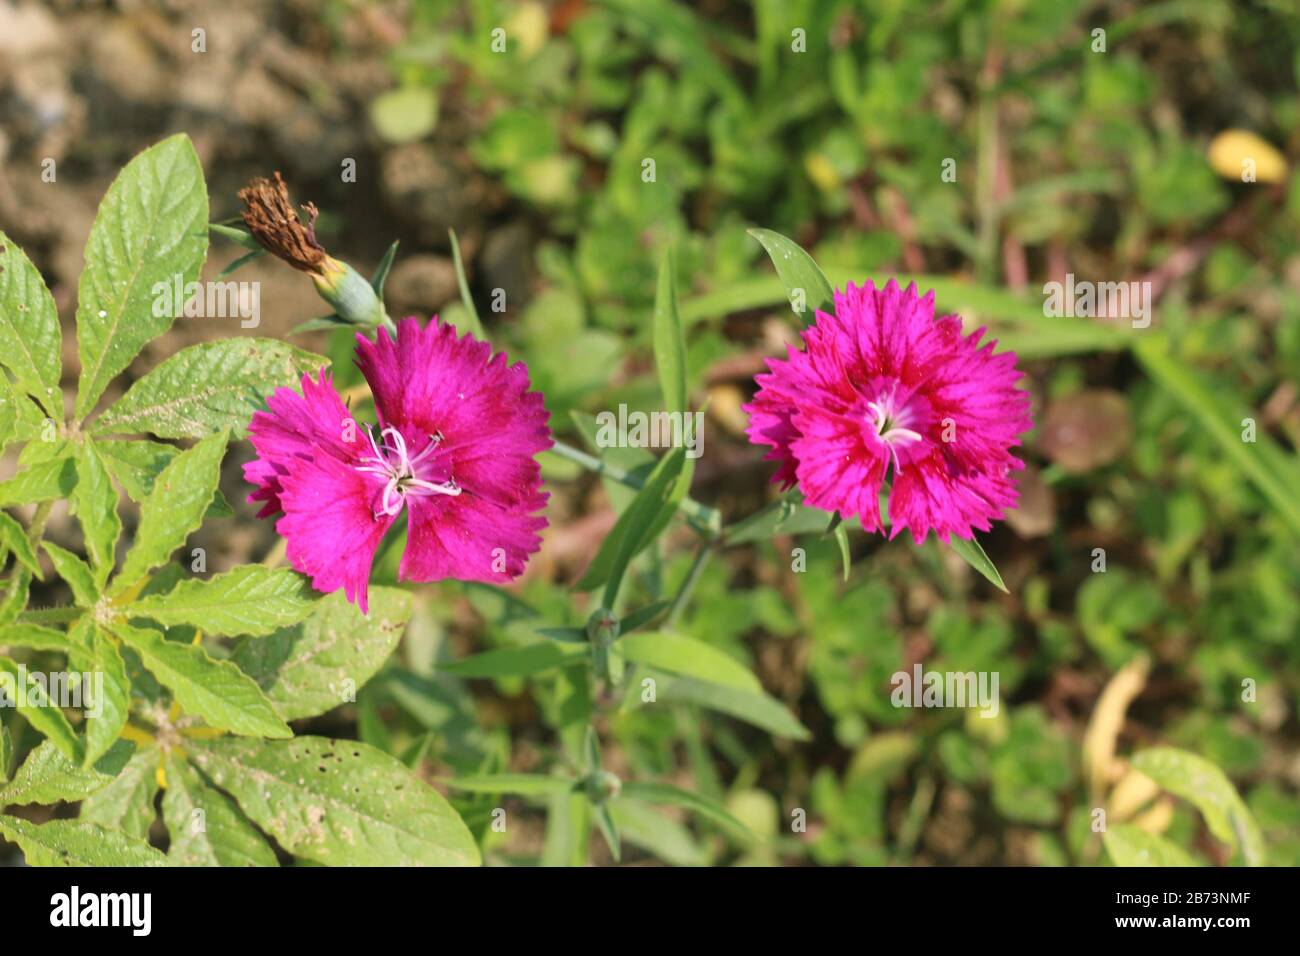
<point x="351" y="294"/>
<point x="602" y="627"/>
<point x="602" y="785"/>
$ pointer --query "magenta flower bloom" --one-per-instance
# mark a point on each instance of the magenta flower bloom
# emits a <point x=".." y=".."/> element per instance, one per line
<point x="455" y="444"/>
<point x="883" y="388"/>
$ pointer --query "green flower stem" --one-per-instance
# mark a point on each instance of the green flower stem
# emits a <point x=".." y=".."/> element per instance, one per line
<point x="706" y="520"/>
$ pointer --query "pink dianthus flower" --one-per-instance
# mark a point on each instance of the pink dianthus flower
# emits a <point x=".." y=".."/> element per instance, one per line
<point x="455" y="444"/>
<point x="884" y="389"/>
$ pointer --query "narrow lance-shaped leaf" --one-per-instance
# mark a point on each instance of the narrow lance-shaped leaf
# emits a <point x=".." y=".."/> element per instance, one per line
<point x="973" y="554"/>
<point x="150" y="232"/>
<point x="1260" y="461"/>
<point x="475" y="323"/>
<point x="174" y="509"/>
<point x="631" y="532"/>
<point x="248" y="600"/>
<point x="216" y="691"/>
<point x="758" y="709"/>
<point x="680" y="654"/>
<point x="805" y="284"/>
<point x="523" y="784"/>
<point x="669" y="346"/>
<point x="667" y="794"/>
<point x="206" y="387"/>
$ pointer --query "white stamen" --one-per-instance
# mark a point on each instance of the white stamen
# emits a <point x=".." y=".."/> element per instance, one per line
<point x="400" y="474"/>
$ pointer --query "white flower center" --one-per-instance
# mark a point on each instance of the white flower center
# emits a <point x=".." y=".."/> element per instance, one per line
<point x="891" y="419"/>
<point x="393" y="464"/>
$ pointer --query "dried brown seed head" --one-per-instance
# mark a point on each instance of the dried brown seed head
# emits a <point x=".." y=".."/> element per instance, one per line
<point x="270" y="217"/>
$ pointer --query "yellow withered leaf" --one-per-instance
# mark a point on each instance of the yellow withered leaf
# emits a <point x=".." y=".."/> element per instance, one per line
<point x="1242" y="156"/>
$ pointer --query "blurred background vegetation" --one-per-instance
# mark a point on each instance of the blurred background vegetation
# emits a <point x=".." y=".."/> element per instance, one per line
<point x="830" y="122"/>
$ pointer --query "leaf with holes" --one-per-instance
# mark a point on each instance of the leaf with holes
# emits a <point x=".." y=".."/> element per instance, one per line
<point x="338" y="802"/>
<point x="319" y="664"/>
<point x="77" y="843"/>
<point x="206" y="826"/>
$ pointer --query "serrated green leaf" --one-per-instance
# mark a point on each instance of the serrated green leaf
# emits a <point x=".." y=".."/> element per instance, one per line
<point x="44" y="481"/>
<point x="1130" y="845"/>
<point x="75" y="573"/>
<point x="524" y="784"/>
<point x="216" y="691"/>
<point x="127" y="802"/>
<point x="14" y="596"/>
<point x="77" y="843"/>
<point x="137" y="464"/>
<point x="1206" y="787"/>
<point x="803" y="279"/>
<point x="680" y="654"/>
<point x="35" y="636"/>
<point x="14" y="538"/>
<point x="206" y="826"/>
<point x="30" y="337"/>
<point x="6" y="753"/>
<point x="667" y="794"/>
<point x="94" y="501"/>
<point x="93" y="653"/>
<point x="174" y="508"/>
<point x="152" y="227"/>
<point x="206" y="387"/>
<point x="47" y="775"/>
<point x="669" y="346"/>
<point x="338" y="801"/>
<point x="248" y="600"/>
<point x="35" y="705"/>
